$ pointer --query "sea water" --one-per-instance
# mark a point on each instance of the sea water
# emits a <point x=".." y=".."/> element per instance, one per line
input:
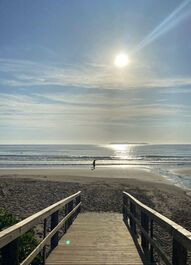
<point x="161" y="158"/>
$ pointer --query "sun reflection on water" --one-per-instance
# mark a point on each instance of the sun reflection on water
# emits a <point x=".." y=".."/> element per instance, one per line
<point x="122" y="151"/>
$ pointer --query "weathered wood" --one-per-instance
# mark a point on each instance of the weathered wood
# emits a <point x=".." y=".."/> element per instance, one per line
<point x="70" y="208"/>
<point x="9" y="236"/>
<point x="78" y="200"/>
<point x="153" y="242"/>
<point x="179" y="254"/>
<point x="66" y="223"/>
<point x="179" y="233"/>
<point x="44" y="235"/>
<point x="15" y="231"/>
<point x="10" y="253"/>
<point x="40" y="247"/>
<point x="151" y="246"/>
<point x="125" y="201"/>
<point x="181" y="237"/>
<point x="54" y="222"/>
<point x="96" y="238"/>
<point x="144" y="241"/>
<point x="132" y="222"/>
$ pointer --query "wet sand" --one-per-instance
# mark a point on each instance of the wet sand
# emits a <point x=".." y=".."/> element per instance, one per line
<point x="85" y="174"/>
<point x="183" y="171"/>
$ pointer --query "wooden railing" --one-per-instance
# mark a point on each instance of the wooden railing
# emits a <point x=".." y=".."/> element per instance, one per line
<point x="9" y="237"/>
<point x="145" y="223"/>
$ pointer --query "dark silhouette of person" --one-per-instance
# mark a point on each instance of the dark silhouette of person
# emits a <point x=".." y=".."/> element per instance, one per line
<point x="94" y="163"/>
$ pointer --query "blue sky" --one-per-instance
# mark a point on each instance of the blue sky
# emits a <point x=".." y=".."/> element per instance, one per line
<point x="58" y="82"/>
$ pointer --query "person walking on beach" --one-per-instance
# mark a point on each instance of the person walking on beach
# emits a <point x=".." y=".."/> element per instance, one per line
<point x="94" y="164"/>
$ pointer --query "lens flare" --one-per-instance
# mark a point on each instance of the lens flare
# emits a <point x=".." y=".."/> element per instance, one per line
<point x="177" y="16"/>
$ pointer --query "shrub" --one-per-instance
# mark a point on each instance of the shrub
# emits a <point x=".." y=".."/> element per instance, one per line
<point x="27" y="242"/>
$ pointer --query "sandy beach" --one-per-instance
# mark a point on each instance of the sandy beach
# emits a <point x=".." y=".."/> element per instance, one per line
<point x="86" y="174"/>
<point x="24" y="192"/>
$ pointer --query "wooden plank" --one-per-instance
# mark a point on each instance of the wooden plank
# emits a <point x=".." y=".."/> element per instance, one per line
<point x="96" y="238"/>
<point x="15" y="231"/>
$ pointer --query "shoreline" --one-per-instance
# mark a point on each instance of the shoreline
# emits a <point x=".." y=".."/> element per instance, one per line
<point x="86" y="174"/>
<point x="177" y="176"/>
<point x="183" y="171"/>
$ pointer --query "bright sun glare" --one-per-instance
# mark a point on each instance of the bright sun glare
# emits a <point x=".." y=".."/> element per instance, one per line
<point x="121" y="60"/>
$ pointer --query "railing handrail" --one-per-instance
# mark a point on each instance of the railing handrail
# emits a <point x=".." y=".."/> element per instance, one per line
<point x="145" y="219"/>
<point x="43" y="243"/>
<point x="181" y="234"/>
<point x="15" y="231"/>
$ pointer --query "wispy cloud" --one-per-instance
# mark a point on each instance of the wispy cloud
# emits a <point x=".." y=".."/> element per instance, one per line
<point x="28" y="74"/>
<point x="21" y="107"/>
<point x="101" y="97"/>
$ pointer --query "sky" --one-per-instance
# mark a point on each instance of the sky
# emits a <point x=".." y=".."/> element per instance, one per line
<point x="59" y="84"/>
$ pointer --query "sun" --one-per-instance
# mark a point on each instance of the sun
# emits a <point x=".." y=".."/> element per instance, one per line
<point x="121" y="60"/>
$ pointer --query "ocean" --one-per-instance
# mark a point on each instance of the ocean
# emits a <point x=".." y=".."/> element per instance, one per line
<point x="163" y="159"/>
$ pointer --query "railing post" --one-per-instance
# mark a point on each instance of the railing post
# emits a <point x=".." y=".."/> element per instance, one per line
<point x="78" y="200"/>
<point x="66" y="223"/>
<point x="179" y="253"/>
<point x="10" y="253"/>
<point x="124" y="219"/>
<point x="132" y="222"/>
<point x="54" y="222"/>
<point x="125" y="216"/>
<point x="145" y="226"/>
<point x="70" y="208"/>
<point x="151" y="247"/>
<point x="44" y="235"/>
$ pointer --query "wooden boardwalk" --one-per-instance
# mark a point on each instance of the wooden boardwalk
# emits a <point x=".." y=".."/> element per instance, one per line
<point x="95" y="239"/>
<point x="98" y="238"/>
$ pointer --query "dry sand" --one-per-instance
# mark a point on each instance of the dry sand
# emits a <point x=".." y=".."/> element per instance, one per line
<point x="25" y="192"/>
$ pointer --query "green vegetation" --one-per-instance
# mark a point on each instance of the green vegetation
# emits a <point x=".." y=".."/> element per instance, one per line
<point x="27" y="242"/>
